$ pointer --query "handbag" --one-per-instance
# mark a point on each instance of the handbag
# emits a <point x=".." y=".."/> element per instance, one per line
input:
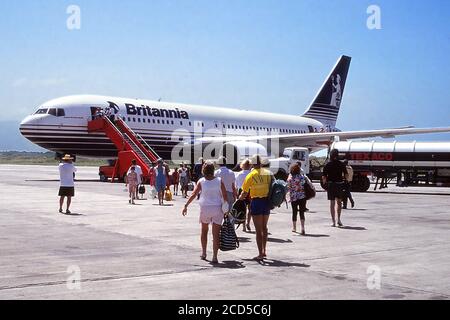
<point x="227" y="236"/>
<point x="310" y="191"/>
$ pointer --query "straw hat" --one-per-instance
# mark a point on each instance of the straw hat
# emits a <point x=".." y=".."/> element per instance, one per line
<point x="258" y="160"/>
<point x="67" y="157"/>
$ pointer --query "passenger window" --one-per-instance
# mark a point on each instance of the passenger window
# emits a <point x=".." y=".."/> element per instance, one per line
<point x="52" y="111"/>
<point x="158" y="122"/>
<point x="61" y="113"/>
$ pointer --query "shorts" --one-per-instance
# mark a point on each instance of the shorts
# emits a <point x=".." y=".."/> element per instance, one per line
<point x="66" y="191"/>
<point x="260" y="207"/>
<point x="335" y="190"/>
<point x="211" y="214"/>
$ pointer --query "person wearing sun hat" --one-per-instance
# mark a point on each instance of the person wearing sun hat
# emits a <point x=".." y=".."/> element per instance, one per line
<point x="67" y="186"/>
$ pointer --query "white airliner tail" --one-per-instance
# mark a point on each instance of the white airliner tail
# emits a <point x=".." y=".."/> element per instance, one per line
<point x="325" y="106"/>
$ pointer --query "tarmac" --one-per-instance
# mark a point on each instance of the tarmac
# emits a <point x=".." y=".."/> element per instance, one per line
<point x="395" y="245"/>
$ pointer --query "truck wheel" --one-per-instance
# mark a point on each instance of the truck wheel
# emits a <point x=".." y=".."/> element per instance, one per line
<point x="103" y="178"/>
<point x="365" y="184"/>
<point x="281" y="175"/>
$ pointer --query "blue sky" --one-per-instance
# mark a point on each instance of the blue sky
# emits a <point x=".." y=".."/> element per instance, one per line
<point x="257" y="54"/>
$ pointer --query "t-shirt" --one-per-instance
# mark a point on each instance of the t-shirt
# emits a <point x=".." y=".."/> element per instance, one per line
<point x="240" y="178"/>
<point x="227" y="176"/>
<point x="66" y="173"/>
<point x="258" y="183"/>
<point x="211" y="194"/>
<point x="334" y="171"/>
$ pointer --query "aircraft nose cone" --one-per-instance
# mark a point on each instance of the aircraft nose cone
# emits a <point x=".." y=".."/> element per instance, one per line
<point x="26" y="124"/>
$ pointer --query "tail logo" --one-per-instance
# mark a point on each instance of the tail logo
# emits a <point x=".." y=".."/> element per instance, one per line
<point x="336" y="91"/>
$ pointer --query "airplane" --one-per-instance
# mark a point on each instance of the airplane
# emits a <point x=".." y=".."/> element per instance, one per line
<point x="60" y="125"/>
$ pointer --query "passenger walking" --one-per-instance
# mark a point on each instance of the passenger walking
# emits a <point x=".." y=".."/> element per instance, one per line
<point x="184" y="179"/>
<point x="257" y="184"/>
<point x="67" y="186"/>
<point x="132" y="182"/>
<point x="332" y="177"/>
<point x="160" y="181"/>
<point x="348" y="186"/>
<point x="212" y="193"/>
<point x="140" y="175"/>
<point x="296" y="187"/>
<point x="240" y="178"/>
<point x="228" y="179"/>
<point x="175" y="181"/>
<point x="198" y="167"/>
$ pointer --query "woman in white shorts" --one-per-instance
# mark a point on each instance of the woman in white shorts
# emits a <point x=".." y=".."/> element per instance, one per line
<point x="212" y="194"/>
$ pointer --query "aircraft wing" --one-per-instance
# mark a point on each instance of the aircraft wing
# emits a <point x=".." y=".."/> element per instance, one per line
<point x="325" y="137"/>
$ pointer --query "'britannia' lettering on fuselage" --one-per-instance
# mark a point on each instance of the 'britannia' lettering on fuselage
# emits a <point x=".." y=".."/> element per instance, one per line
<point x="155" y="112"/>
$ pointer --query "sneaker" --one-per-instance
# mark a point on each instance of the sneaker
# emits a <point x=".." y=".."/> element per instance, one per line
<point x="340" y="224"/>
<point x="68" y="212"/>
<point x="60" y="210"/>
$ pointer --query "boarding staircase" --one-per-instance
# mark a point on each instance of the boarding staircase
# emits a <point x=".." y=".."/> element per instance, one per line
<point x="129" y="144"/>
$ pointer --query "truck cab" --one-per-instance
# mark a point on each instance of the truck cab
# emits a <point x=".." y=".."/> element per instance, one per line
<point x="280" y="166"/>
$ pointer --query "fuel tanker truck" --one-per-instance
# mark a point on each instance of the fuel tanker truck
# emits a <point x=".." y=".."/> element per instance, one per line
<point x="415" y="162"/>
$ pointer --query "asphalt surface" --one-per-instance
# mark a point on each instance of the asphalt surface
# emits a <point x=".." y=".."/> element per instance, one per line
<point x="394" y="245"/>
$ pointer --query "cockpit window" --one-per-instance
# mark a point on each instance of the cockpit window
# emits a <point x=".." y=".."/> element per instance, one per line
<point x="41" y="111"/>
<point x="61" y="113"/>
<point x="52" y="111"/>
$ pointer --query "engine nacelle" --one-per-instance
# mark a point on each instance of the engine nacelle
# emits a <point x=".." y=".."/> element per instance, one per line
<point x="236" y="151"/>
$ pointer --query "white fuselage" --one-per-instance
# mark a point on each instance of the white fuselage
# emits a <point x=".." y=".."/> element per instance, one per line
<point x="60" y="125"/>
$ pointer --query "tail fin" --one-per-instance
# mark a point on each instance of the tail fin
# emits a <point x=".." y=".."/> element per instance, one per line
<point x="326" y="104"/>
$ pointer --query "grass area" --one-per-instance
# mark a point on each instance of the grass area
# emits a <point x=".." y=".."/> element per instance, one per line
<point x="42" y="158"/>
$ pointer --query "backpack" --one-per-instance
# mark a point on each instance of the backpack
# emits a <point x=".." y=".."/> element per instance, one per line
<point x="277" y="193"/>
<point x="227" y="236"/>
<point x="141" y="189"/>
<point x="239" y="212"/>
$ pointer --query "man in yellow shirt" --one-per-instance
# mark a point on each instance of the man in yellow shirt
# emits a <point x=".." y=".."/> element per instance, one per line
<point x="258" y="183"/>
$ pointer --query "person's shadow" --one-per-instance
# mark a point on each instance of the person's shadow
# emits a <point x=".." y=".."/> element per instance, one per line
<point x="353" y="228"/>
<point x="229" y="264"/>
<point x="243" y="239"/>
<point x="279" y="263"/>
<point x="310" y="235"/>
<point x="74" y="214"/>
<point x="276" y="240"/>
